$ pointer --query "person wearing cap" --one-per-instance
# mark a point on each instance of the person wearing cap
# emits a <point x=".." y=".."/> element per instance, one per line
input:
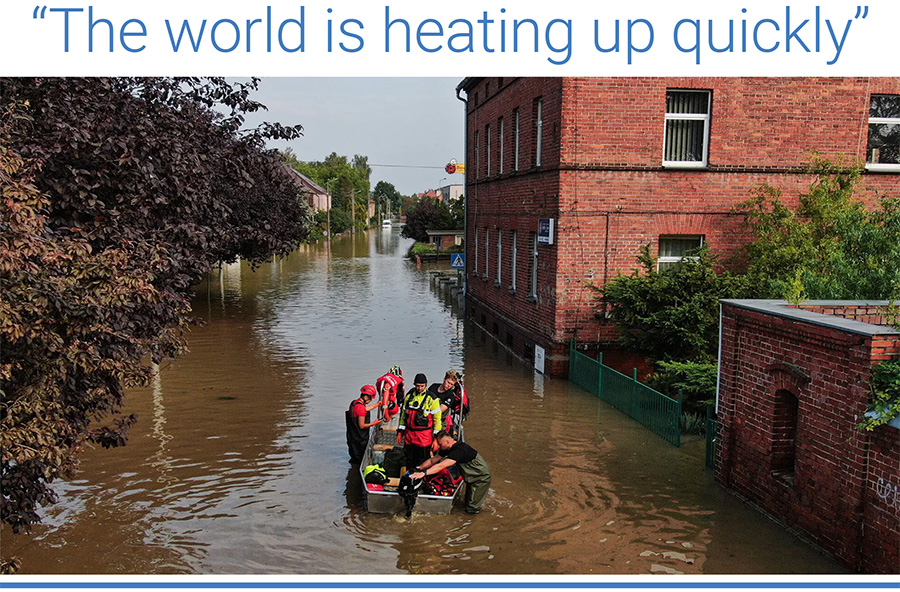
<point x="420" y="419"/>
<point x="475" y="472"/>
<point x="357" y="428"/>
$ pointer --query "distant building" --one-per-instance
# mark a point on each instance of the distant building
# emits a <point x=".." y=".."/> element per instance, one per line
<point x="617" y="163"/>
<point x="793" y="385"/>
<point x="449" y="192"/>
<point x="318" y="198"/>
<point x="432" y="193"/>
<point x="443" y="239"/>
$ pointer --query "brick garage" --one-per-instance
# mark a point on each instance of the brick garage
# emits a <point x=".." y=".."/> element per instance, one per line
<point x="792" y="388"/>
<point x="603" y="179"/>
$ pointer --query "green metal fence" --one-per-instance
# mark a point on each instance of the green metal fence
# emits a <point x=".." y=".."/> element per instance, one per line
<point x="652" y="409"/>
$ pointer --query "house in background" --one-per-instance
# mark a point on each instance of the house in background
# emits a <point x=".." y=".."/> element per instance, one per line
<point x="317" y="197"/>
<point x="444" y="239"/>
<point x="450" y="192"/>
<point x="606" y="165"/>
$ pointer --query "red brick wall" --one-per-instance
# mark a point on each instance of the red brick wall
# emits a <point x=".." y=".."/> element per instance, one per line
<point x="602" y="179"/>
<point x="831" y="495"/>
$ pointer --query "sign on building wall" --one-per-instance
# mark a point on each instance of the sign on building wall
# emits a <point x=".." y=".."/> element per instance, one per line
<point x="545" y="231"/>
<point x="539" y="357"/>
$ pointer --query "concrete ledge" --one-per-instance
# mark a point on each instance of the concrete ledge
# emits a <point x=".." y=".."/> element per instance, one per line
<point x="784" y="309"/>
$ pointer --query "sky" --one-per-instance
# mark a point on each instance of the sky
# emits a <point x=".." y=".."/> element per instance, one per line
<point x="415" y="125"/>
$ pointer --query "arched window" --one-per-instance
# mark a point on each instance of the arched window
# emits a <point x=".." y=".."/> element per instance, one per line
<point x="784" y="433"/>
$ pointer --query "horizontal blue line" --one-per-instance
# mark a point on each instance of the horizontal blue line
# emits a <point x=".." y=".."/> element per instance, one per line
<point x="532" y="585"/>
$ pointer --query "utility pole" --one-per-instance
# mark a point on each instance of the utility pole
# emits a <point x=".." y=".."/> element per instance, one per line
<point x="353" y="211"/>
<point x="328" y="210"/>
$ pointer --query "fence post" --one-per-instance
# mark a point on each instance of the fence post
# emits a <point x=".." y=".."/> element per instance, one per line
<point x="600" y="374"/>
<point x="633" y="392"/>
<point x="678" y="417"/>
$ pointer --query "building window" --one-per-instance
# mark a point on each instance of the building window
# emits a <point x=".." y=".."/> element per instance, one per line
<point x="784" y="435"/>
<point x="883" y="148"/>
<point x="476" y="251"/>
<point x="487" y="148"/>
<point x="477" y="162"/>
<point x="538" y="130"/>
<point x="687" y="128"/>
<point x="532" y="287"/>
<point x="512" y="260"/>
<point x="499" y="257"/>
<point x="516" y="160"/>
<point x="487" y="251"/>
<point x="675" y="250"/>
<point x="500" y="138"/>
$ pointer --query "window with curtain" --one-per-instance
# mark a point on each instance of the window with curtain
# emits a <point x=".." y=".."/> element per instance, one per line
<point x="500" y="138"/>
<point x="883" y="146"/>
<point x="676" y="250"/>
<point x="512" y="261"/>
<point x="538" y="130"/>
<point x="687" y="128"/>
<point x="487" y="148"/>
<point x="499" y="279"/>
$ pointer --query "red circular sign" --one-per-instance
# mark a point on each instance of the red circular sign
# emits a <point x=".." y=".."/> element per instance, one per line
<point x="450" y="168"/>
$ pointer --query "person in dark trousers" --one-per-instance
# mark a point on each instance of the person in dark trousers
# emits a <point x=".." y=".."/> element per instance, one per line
<point x="474" y="470"/>
<point x="357" y="428"/>
<point x="420" y="419"/>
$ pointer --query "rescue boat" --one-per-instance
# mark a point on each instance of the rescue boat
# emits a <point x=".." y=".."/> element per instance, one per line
<point x="385" y="499"/>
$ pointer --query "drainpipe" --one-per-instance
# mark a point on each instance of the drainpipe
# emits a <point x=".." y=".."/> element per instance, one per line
<point x="465" y="194"/>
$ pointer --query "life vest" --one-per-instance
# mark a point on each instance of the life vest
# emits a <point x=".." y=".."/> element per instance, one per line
<point x="460" y="401"/>
<point x="418" y="418"/>
<point x="394" y="385"/>
<point x="374" y="474"/>
<point x="357" y="437"/>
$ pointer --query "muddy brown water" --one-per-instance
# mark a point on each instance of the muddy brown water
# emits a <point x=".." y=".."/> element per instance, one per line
<point x="238" y="463"/>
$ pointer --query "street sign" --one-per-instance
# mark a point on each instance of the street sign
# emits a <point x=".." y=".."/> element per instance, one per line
<point x="454" y="167"/>
<point x="461" y="168"/>
<point x="458" y="261"/>
<point x="545" y="231"/>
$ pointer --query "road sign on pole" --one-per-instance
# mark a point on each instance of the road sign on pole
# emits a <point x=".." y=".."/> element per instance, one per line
<point x="458" y="261"/>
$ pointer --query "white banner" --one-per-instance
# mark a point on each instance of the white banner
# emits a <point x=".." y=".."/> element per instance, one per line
<point x="456" y="39"/>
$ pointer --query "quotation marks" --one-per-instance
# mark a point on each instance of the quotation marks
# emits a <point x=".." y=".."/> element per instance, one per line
<point x="43" y="10"/>
<point x="861" y="10"/>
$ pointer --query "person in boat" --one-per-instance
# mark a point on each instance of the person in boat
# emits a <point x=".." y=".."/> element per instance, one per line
<point x="390" y="387"/>
<point x="420" y="419"/>
<point x="475" y="472"/>
<point x="357" y="428"/>
<point x="451" y="395"/>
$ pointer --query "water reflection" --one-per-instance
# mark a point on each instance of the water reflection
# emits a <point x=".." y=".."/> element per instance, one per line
<point x="238" y="463"/>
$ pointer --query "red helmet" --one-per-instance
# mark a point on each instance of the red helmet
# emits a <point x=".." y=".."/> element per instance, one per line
<point x="368" y="390"/>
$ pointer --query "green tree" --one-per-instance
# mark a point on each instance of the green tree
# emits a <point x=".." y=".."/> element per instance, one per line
<point x="118" y="195"/>
<point x="386" y="194"/>
<point x="427" y="214"/>
<point x="829" y="247"/>
<point x="671" y="314"/>
<point x="344" y="180"/>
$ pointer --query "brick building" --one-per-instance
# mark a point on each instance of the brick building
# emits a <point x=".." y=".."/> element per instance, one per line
<point x="616" y="163"/>
<point x="793" y="385"/>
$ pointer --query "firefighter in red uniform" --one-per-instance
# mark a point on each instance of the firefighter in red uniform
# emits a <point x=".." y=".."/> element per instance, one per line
<point x="389" y="387"/>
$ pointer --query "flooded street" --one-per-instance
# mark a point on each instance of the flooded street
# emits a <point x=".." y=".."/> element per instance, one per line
<point x="238" y="463"/>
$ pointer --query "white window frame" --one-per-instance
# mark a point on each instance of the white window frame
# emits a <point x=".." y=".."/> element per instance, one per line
<point x="539" y="131"/>
<point x="689" y="164"/>
<point x="487" y="152"/>
<point x="660" y="260"/>
<point x="499" y="279"/>
<point x="500" y="127"/>
<point x="516" y="161"/>
<point x="532" y="288"/>
<point x="881" y="166"/>
<point x="515" y="251"/>
<point x="487" y="251"/>
<point x="477" y="159"/>
<point x="476" y="251"/>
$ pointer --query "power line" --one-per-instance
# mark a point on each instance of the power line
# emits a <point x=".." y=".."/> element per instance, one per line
<point x="404" y="166"/>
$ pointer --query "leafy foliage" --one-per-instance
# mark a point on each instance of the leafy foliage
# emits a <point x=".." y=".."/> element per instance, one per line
<point x="345" y="180"/>
<point x="884" y="404"/>
<point x="671" y="314"/>
<point x="694" y="381"/>
<point x="427" y="214"/>
<point x="117" y="196"/>
<point x="829" y="247"/>
<point x="386" y="193"/>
